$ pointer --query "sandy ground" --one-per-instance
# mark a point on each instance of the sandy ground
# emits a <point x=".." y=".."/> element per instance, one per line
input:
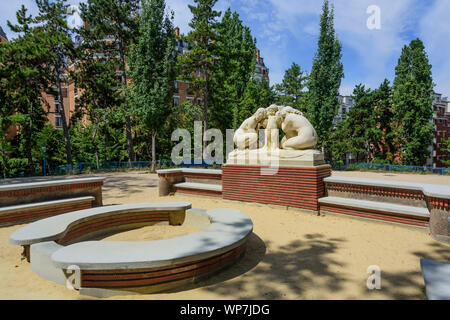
<point x="291" y="255"/>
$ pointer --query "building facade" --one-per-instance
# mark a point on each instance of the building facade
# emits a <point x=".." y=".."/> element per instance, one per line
<point x="345" y="104"/>
<point x="441" y="119"/>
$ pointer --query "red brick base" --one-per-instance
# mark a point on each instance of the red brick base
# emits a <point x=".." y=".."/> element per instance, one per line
<point x="298" y="187"/>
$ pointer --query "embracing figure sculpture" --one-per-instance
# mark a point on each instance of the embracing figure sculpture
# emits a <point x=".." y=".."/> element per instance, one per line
<point x="296" y="147"/>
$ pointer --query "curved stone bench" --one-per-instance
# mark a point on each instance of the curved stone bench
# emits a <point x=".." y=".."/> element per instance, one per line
<point x="148" y="266"/>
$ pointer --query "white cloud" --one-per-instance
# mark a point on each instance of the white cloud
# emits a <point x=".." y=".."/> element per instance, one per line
<point x="435" y="32"/>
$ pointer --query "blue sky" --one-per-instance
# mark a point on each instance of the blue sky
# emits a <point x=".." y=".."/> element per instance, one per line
<point x="287" y="30"/>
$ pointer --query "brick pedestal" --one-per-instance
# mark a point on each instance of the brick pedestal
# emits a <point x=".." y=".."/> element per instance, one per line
<point x="297" y="187"/>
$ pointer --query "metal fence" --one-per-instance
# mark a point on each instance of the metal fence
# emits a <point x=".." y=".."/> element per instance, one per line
<point x="90" y="167"/>
<point x="388" y="168"/>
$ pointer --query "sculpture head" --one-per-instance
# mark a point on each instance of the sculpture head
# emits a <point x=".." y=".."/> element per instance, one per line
<point x="260" y="114"/>
<point x="284" y="111"/>
<point x="272" y="110"/>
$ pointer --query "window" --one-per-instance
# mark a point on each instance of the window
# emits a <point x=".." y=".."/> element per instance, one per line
<point x="58" y="121"/>
<point x="199" y="74"/>
<point x="175" y="101"/>
<point x="75" y="89"/>
<point x="199" y="100"/>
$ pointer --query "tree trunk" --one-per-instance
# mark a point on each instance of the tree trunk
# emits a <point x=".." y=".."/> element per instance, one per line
<point x="131" y="154"/>
<point x="29" y="143"/>
<point x="205" y="109"/>
<point x="63" y="119"/>
<point x="94" y="143"/>
<point x="153" y="151"/>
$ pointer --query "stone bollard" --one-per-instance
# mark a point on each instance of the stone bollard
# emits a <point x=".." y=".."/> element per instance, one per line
<point x="176" y="218"/>
<point x="164" y="186"/>
<point x="439" y="224"/>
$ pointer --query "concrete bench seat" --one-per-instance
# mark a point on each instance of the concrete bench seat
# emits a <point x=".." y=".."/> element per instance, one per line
<point x="198" y="186"/>
<point x="38" y="210"/>
<point x="437" y="279"/>
<point x="54" y="228"/>
<point x="203" y="182"/>
<point x="430" y="190"/>
<point x="152" y="266"/>
<point x="190" y="170"/>
<point x="376" y="210"/>
<point x="23" y="193"/>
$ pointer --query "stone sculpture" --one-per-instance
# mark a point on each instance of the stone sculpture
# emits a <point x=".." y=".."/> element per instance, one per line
<point x="296" y="147"/>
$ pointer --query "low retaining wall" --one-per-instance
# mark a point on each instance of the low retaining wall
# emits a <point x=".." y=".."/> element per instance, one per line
<point x="23" y="193"/>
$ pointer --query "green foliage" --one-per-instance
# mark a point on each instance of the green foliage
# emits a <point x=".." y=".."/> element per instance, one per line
<point x="412" y="98"/>
<point x="152" y="68"/>
<point x="112" y="25"/>
<point x="24" y="74"/>
<point x="52" y="20"/>
<point x="290" y="92"/>
<point x="325" y="78"/>
<point x="234" y="65"/>
<point x="258" y="94"/>
<point x="366" y="132"/>
<point x="200" y="57"/>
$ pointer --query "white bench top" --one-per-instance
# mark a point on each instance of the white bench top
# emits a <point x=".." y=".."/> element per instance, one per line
<point x="199" y="186"/>
<point x="43" y="184"/>
<point x="189" y="170"/>
<point x="437" y="279"/>
<point x="229" y="228"/>
<point x="54" y="227"/>
<point x="44" y="204"/>
<point x="431" y="190"/>
<point x="375" y="205"/>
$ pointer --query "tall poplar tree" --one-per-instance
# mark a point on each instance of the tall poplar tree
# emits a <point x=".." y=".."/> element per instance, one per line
<point x="325" y="79"/>
<point x="114" y="25"/>
<point x="152" y="69"/>
<point x="412" y="99"/>
<point x="197" y="63"/>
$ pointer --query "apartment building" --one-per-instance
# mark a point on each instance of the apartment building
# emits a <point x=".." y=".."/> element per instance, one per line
<point x="441" y="119"/>
<point x="345" y="104"/>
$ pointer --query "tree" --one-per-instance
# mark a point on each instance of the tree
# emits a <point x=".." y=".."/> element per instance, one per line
<point x="258" y="94"/>
<point x="233" y="68"/>
<point x="325" y="78"/>
<point x="114" y="25"/>
<point x="385" y="149"/>
<point x="152" y="68"/>
<point x="99" y="97"/>
<point x="24" y="74"/>
<point x="197" y="63"/>
<point x="412" y="98"/>
<point x="291" y="90"/>
<point x="446" y="149"/>
<point x="52" y="20"/>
